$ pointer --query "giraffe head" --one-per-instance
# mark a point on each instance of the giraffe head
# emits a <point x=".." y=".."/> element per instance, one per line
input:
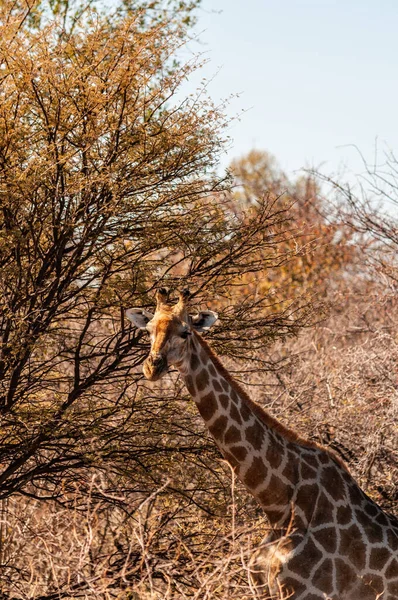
<point x="170" y="328"/>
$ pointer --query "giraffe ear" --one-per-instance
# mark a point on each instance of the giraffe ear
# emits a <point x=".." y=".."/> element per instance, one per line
<point x="139" y="317"/>
<point x="203" y="320"/>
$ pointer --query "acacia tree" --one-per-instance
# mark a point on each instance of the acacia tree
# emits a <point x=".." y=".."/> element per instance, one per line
<point x="320" y="248"/>
<point x="107" y="190"/>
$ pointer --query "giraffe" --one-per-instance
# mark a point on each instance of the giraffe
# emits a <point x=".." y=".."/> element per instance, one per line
<point x="329" y="540"/>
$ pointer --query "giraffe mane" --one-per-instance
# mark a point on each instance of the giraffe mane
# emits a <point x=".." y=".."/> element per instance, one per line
<point x="264" y="415"/>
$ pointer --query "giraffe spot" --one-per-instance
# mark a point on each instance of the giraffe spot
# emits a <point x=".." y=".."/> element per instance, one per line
<point x="356" y="495"/>
<point x="275" y="454"/>
<point x="239" y="452"/>
<point x="223" y="398"/>
<point x="371" y="509"/>
<point x="306" y="497"/>
<point x="235" y="397"/>
<point x="393" y="589"/>
<point x="202" y="380"/>
<point x="307" y="472"/>
<point x="392" y="539"/>
<point x="382" y="519"/>
<point x="346" y="476"/>
<point x="203" y="356"/>
<point x="312" y="461"/>
<point x="245" y="412"/>
<point x="275" y="516"/>
<point x="304" y="562"/>
<point x="378" y="558"/>
<point x="332" y="482"/>
<point x="219" y="426"/>
<point x="373" y="531"/>
<point x="207" y="406"/>
<point x="233" y="435"/>
<point x="256" y="473"/>
<point x="327" y="538"/>
<point x="212" y="370"/>
<point x="235" y="414"/>
<point x="323" y="512"/>
<point x="276" y="441"/>
<point x="291" y="446"/>
<point x="392" y="570"/>
<point x="280" y="447"/>
<point x="194" y="362"/>
<point x="255" y="435"/>
<point x="323" y="577"/>
<point x="324" y="457"/>
<point x="375" y="583"/>
<point x="216" y="385"/>
<point x="277" y="492"/>
<point x="346" y="577"/>
<point x="230" y="458"/>
<point x="190" y="385"/>
<point x="344" y="515"/>
<point x="290" y="468"/>
<point x="364" y="592"/>
<point x="225" y="385"/>
<point x="352" y="546"/>
<point x="300" y="523"/>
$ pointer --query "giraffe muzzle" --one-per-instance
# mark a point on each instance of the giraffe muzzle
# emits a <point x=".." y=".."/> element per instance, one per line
<point x="155" y="367"/>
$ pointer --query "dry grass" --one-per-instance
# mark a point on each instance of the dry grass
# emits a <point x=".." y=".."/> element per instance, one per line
<point x="335" y="383"/>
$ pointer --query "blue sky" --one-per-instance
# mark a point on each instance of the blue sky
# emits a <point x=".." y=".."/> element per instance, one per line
<point x="315" y="77"/>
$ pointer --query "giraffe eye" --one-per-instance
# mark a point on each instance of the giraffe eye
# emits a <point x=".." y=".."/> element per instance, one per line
<point x="185" y="334"/>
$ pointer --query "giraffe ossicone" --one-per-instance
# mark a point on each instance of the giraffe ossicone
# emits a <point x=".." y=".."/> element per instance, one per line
<point x="329" y="540"/>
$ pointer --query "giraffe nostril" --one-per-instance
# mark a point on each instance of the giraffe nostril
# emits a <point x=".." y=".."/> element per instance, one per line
<point x="156" y="360"/>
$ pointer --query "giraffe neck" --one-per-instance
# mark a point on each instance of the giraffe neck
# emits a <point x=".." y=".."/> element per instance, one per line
<point x="251" y="441"/>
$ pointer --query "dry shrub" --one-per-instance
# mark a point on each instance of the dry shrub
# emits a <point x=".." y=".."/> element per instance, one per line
<point x="337" y="384"/>
<point x="154" y="551"/>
